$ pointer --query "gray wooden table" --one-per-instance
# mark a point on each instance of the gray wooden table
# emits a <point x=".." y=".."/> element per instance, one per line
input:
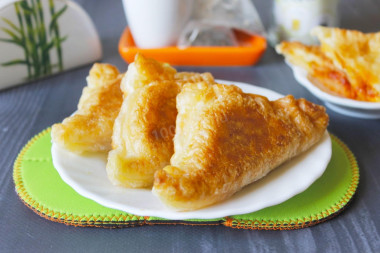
<point x="26" y="110"/>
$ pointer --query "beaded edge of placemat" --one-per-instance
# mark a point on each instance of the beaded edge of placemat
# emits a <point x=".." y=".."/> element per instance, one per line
<point x="120" y="221"/>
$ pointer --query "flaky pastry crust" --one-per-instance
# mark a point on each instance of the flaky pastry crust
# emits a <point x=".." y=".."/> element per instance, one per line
<point x="89" y="129"/>
<point x="145" y="127"/>
<point x="357" y="54"/>
<point x="345" y="64"/>
<point x="226" y="139"/>
<point x="321" y="70"/>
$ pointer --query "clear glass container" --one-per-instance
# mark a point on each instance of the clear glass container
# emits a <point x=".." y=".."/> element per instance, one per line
<point x="293" y="19"/>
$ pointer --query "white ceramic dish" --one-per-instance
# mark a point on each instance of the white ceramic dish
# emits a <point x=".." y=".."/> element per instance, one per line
<point x="81" y="45"/>
<point x="349" y="107"/>
<point x="87" y="176"/>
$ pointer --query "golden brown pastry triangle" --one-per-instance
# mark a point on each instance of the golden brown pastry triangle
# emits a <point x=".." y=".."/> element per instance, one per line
<point x="143" y="71"/>
<point x="321" y="70"/>
<point x="144" y="129"/>
<point x="346" y="64"/>
<point x="89" y="129"/>
<point x="357" y="54"/>
<point x="226" y="139"/>
<point x="143" y="136"/>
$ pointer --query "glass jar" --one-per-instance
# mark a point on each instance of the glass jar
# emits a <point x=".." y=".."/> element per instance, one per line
<point x="293" y="19"/>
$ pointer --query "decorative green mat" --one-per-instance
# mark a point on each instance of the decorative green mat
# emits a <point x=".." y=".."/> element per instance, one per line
<point x="40" y="187"/>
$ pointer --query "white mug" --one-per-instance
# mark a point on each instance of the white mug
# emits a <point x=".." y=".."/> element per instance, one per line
<point x="157" y="23"/>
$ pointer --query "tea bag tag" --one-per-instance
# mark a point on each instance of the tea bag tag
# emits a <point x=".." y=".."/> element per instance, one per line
<point x="44" y="37"/>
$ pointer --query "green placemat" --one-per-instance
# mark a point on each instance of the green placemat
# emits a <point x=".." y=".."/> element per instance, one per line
<point x="40" y="187"/>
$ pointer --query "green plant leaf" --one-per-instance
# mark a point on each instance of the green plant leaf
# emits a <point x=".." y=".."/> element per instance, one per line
<point x="15" y="62"/>
<point x="12" y="34"/>
<point x="11" y="24"/>
<point x="24" y="5"/>
<point x="55" y="17"/>
<point x="48" y="46"/>
<point x="53" y="43"/>
<point x="19" y="43"/>
<point x="62" y="39"/>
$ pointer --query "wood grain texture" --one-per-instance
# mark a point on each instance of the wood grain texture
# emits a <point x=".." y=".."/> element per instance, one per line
<point x="28" y="109"/>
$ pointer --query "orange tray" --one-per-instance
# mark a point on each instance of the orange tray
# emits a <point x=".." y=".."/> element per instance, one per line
<point x="248" y="52"/>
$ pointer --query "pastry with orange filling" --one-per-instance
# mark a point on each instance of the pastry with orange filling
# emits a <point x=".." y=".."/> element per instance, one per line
<point x="346" y="64"/>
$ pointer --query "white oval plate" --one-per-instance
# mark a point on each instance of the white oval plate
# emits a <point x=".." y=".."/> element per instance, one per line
<point x="346" y="106"/>
<point x="87" y="176"/>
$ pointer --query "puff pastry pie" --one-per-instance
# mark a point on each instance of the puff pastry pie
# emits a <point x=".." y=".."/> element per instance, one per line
<point x="357" y="54"/>
<point x="90" y="128"/>
<point x="226" y="139"/>
<point x="145" y="127"/>
<point x="346" y="63"/>
<point x="321" y="70"/>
